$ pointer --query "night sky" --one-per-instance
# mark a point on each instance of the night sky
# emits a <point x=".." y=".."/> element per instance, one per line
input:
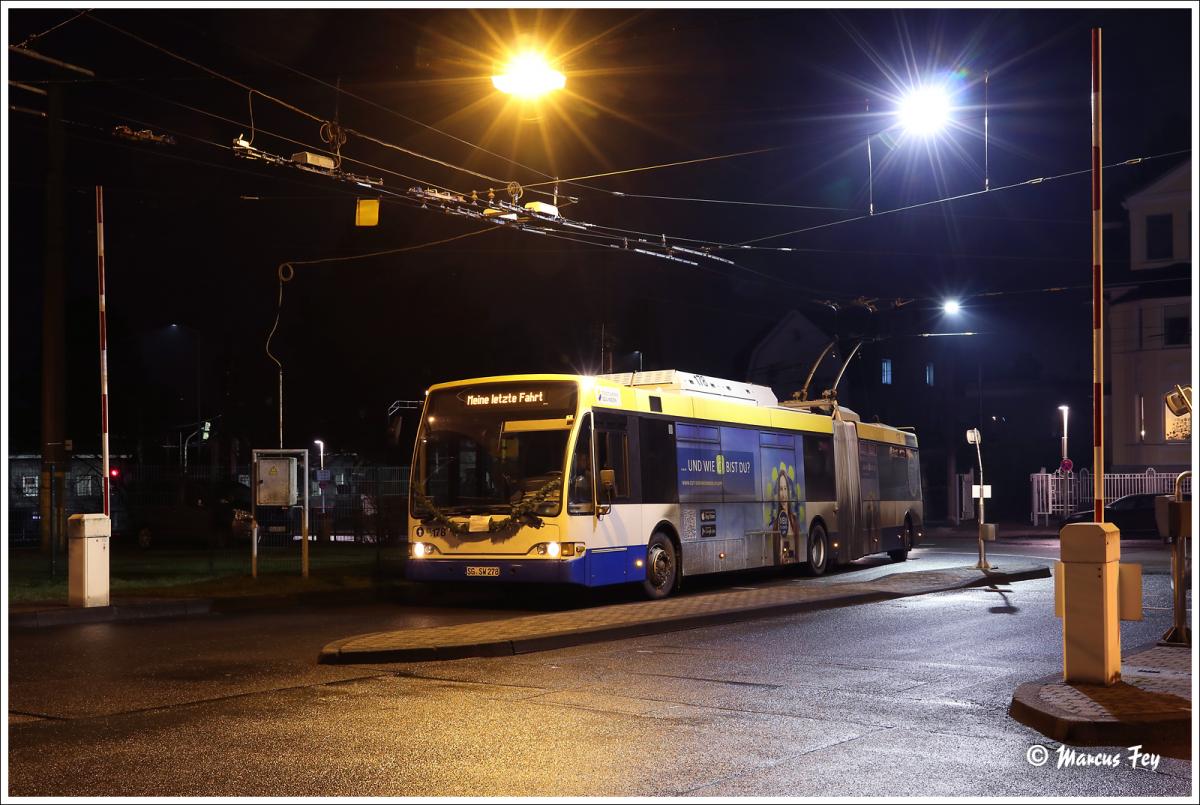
<point x="185" y="246"/>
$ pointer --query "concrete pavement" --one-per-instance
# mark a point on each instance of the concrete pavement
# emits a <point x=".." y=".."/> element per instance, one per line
<point x="556" y="630"/>
<point x="1150" y="706"/>
<point x="902" y="697"/>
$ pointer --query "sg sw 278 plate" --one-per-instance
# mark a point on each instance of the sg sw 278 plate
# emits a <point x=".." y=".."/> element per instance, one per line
<point x="482" y="571"/>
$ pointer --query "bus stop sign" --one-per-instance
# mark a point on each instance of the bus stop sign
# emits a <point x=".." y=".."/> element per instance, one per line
<point x="1067" y="465"/>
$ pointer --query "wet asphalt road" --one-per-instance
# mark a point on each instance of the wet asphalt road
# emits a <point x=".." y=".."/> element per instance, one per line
<point x="900" y="698"/>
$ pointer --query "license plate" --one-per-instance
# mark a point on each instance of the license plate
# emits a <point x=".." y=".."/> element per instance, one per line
<point x="483" y="571"/>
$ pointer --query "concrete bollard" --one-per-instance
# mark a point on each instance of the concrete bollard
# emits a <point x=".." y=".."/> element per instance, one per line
<point x="1093" y="592"/>
<point x="87" y="560"/>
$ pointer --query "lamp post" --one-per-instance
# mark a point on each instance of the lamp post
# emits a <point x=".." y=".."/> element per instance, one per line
<point x="1065" y="410"/>
<point x="973" y="437"/>
<point x="321" y="448"/>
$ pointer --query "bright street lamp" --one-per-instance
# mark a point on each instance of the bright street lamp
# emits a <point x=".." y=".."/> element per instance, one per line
<point x="528" y="76"/>
<point x="925" y="111"/>
<point x="951" y="307"/>
<point x="1065" y="410"/>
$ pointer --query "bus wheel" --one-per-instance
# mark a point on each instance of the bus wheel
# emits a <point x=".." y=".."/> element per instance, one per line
<point x="818" y="551"/>
<point x="661" y="567"/>
<point x="901" y="554"/>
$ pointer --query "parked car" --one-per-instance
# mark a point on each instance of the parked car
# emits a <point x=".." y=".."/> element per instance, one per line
<point x="195" y="515"/>
<point x="1133" y="514"/>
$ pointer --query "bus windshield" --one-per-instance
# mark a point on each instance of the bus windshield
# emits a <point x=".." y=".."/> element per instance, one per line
<point x="483" y="449"/>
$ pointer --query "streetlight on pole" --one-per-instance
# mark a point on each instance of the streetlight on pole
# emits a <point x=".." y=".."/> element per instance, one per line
<point x="973" y="437"/>
<point x="923" y="112"/>
<point x="528" y="76"/>
<point x="1065" y="410"/>
<point x="321" y="483"/>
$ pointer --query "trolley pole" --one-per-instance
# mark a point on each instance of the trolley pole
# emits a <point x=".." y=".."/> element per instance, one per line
<point x="103" y="350"/>
<point x="1097" y="287"/>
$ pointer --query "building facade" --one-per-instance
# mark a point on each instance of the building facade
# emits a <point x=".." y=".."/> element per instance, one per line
<point x="1149" y="326"/>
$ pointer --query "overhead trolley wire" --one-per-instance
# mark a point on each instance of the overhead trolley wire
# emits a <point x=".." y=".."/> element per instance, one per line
<point x="577" y="179"/>
<point x="750" y="244"/>
<point x="35" y="37"/>
<point x="730" y="202"/>
<point x="209" y="70"/>
<point x="1034" y="181"/>
<point x="292" y="107"/>
<point x="291" y="140"/>
<point x="389" y="110"/>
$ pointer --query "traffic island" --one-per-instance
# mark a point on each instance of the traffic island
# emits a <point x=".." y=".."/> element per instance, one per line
<point x="1151" y="705"/>
<point x="618" y="621"/>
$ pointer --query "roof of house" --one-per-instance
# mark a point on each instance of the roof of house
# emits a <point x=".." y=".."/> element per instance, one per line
<point x="1176" y="284"/>
<point x="1151" y="186"/>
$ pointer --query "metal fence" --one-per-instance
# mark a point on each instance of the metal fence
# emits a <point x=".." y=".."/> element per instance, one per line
<point x="166" y="505"/>
<point x="1058" y="494"/>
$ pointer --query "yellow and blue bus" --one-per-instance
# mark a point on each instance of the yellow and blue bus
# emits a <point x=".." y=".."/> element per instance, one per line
<point x="647" y="478"/>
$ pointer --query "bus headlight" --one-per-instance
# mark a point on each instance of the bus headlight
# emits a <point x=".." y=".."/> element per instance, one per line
<point x="422" y="549"/>
<point x="557" y="550"/>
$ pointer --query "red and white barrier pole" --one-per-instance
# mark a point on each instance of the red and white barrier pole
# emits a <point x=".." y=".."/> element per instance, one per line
<point x="1097" y="288"/>
<point x="103" y="347"/>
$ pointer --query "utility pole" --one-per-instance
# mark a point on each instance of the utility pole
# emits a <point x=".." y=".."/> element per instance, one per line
<point x="53" y="337"/>
<point x="55" y="460"/>
<point x="1097" y="286"/>
<point x="103" y="348"/>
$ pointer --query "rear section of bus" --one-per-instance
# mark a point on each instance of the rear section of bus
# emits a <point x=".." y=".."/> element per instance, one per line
<point x="489" y="472"/>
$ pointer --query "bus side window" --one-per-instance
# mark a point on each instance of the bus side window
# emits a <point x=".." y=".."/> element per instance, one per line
<point x="612" y="453"/>
<point x="579" y="499"/>
<point x="819" y="479"/>
<point x="659" y="471"/>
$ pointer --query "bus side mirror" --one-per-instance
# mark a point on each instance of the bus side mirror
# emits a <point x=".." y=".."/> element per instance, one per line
<point x="608" y="489"/>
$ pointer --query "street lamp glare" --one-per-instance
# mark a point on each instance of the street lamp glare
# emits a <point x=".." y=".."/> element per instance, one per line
<point x="925" y="111"/>
<point x="528" y="76"/>
<point x="951" y="306"/>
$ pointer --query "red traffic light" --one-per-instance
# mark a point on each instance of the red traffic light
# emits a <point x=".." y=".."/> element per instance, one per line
<point x="114" y="472"/>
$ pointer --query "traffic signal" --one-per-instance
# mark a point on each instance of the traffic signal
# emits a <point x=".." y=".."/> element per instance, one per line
<point x="205" y="430"/>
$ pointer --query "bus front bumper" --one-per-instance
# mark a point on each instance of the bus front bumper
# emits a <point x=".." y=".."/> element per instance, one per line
<point x="545" y="571"/>
<point x="596" y="568"/>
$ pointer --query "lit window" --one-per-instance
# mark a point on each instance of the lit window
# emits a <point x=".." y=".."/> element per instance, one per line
<point x="929" y="374"/>
<point x="887" y="371"/>
<point x="87" y="486"/>
<point x="30" y="485"/>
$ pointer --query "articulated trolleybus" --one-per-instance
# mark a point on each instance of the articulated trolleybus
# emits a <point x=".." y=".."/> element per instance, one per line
<point x="648" y="478"/>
